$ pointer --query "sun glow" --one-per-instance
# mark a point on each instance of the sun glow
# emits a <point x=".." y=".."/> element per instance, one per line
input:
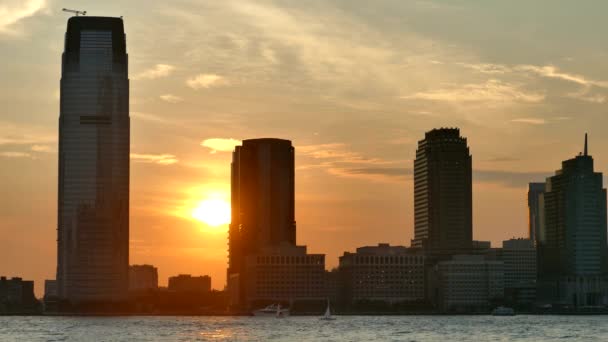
<point x="213" y="212"/>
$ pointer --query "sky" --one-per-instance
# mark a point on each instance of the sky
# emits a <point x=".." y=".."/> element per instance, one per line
<point x="353" y="83"/>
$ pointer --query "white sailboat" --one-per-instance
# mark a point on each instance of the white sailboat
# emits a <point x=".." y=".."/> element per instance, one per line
<point x="327" y="316"/>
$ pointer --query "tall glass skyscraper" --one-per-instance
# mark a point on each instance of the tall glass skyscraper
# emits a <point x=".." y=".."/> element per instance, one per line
<point x="572" y="247"/>
<point x="443" y="192"/>
<point x="93" y="196"/>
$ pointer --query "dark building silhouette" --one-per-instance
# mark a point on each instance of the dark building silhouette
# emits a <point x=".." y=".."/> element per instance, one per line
<point x="443" y="192"/>
<point x="263" y="256"/>
<point x="534" y="191"/>
<point x="572" y="250"/>
<point x="188" y="283"/>
<point x="93" y="195"/>
<point x="143" y="277"/>
<point x="17" y="296"/>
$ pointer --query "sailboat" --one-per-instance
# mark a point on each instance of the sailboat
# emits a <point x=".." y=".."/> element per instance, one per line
<point x="327" y="316"/>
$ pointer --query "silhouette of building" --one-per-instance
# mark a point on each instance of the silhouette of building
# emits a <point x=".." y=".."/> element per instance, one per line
<point x="534" y="191"/>
<point x="520" y="266"/>
<point x="443" y="192"/>
<point x="383" y="273"/>
<point x="467" y="283"/>
<point x="188" y="283"/>
<point x="143" y="277"/>
<point x="93" y="201"/>
<point x="572" y="250"/>
<point x="17" y="296"/>
<point x="262" y="233"/>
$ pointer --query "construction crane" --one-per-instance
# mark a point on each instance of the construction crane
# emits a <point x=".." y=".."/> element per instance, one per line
<point x="77" y="13"/>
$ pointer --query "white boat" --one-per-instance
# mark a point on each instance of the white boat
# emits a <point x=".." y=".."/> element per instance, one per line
<point x="327" y="316"/>
<point x="272" y="310"/>
<point x="503" y="311"/>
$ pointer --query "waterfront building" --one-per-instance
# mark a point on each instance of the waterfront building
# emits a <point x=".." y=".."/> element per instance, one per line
<point x="143" y="277"/>
<point x="385" y="273"/>
<point x="534" y="211"/>
<point x="17" y="295"/>
<point x="93" y="194"/>
<point x="572" y="247"/>
<point x="443" y="192"/>
<point x="467" y="283"/>
<point x="520" y="266"/>
<point x="188" y="283"/>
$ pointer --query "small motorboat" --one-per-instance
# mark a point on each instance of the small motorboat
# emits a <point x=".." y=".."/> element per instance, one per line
<point x="272" y="310"/>
<point x="503" y="311"/>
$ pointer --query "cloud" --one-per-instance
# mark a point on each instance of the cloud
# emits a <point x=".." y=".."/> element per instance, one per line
<point x="508" y="178"/>
<point x="206" y="81"/>
<point x="219" y="144"/>
<point x="43" y="148"/>
<point x="491" y="90"/>
<point x="551" y="71"/>
<point x="158" y="71"/>
<point x="12" y="11"/>
<point x="162" y="159"/>
<point x="11" y="154"/>
<point x="531" y="121"/>
<point x="171" y="98"/>
<point x="337" y="152"/>
<point x="11" y="134"/>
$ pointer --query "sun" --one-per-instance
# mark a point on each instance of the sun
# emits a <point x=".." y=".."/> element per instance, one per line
<point x="213" y="212"/>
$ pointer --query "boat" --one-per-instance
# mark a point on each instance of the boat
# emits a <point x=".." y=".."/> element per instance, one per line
<point x="272" y="310"/>
<point x="327" y="316"/>
<point x="503" y="311"/>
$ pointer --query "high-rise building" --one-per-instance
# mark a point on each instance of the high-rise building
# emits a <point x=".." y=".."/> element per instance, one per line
<point x="534" y="191"/>
<point x="443" y="192"/>
<point x="93" y="201"/>
<point x="262" y="233"/>
<point x="143" y="277"/>
<point x="572" y="250"/>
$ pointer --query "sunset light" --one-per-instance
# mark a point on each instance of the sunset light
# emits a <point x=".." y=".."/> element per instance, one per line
<point x="213" y="212"/>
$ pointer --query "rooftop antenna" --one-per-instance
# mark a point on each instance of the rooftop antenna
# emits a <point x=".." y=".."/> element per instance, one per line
<point x="77" y="13"/>
<point x="586" y="144"/>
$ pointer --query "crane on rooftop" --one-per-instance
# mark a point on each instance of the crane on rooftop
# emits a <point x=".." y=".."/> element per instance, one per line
<point x="77" y="13"/>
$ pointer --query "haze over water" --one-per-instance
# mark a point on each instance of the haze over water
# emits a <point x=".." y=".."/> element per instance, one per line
<point x="345" y="328"/>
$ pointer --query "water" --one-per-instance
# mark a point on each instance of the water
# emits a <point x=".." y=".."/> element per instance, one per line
<point x="300" y="329"/>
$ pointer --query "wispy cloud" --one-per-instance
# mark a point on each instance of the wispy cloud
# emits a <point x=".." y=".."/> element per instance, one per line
<point x="171" y="98"/>
<point x="43" y="148"/>
<point x="162" y="159"/>
<point x="206" y="81"/>
<point x="158" y="71"/>
<point x="12" y="134"/>
<point x="220" y="144"/>
<point x="491" y="90"/>
<point x="12" y="11"/>
<point x="11" y="154"/>
<point x="551" y="71"/>
<point x="531" y="121"/>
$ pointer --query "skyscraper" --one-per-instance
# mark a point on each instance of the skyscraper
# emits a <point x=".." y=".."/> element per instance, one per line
<point x="262" y="197"/>
<point x="443" y="192"/>
<point x="534" y="220"/>
<point x="572" y="250"/>
<point x="93" y="196"/>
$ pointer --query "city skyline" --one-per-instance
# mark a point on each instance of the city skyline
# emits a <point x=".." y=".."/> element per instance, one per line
<point x="353" y="173"/>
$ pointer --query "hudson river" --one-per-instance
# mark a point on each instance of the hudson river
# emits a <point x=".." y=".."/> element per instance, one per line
<point x="299" y="329"/>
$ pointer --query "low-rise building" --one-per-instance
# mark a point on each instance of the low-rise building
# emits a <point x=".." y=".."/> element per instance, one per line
<point x="286" y="273"/>
<point x="143" y="277"/>
<point x="17" y="295"/>
<point x="384" y="273"/>
<point x="188" y="283"/>
<point x="467" y="283"/>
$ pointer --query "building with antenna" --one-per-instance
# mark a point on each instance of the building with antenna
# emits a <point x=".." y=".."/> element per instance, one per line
<point x="572" y="247"/>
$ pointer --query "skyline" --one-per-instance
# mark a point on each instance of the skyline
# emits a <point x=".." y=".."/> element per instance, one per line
<point x="368" y="179"/>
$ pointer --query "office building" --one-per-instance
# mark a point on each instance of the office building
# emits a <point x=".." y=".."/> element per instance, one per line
<point x="188" y="283"/>
<point x="93" y="195"/>
<point x="467" y="283"/>
<point x="572" y="250"/>
<point x="520" y="266"/>
<point x="17" y="296"/>
<point x="443" y="192"/>
<point x="385" y="273"/>
<point x="534" y="212"/>
<point x="143" y="277"/>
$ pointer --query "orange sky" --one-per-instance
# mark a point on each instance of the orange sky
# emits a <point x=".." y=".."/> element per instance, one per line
<point x="354" y="86"/>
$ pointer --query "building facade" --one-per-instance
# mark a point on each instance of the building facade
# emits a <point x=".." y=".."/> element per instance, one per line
<point x="143" y="277"/>
<point x="188" y="283"/>
<point x="443" y="192"/>
<point x="572" y="249"/>
<point x="93" y="194"/>
<point x="17" y="296"/>
<point x="520" y="265"/>
<point x="385" y="273"/>
<point x="534" y="211"/>
<point x="467" y="283"/>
